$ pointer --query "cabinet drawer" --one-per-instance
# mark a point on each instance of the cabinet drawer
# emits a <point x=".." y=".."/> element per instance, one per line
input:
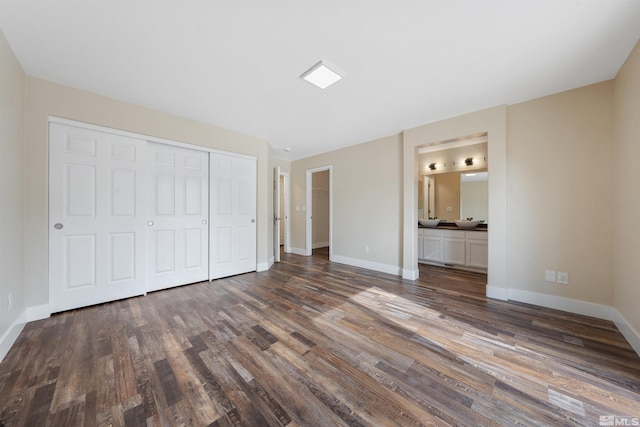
<point x="477" y="235"/>
<point x="432" y="233"/>
<point x="455" y="234"/>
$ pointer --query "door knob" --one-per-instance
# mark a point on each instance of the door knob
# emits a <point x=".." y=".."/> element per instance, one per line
<point x="252" y="220"/>
<point x="58" y="226"/>
<point x="204" y="221"/>
<point x="149" y="223"/>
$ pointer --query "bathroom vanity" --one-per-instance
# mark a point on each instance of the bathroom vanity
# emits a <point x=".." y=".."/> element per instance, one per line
<point x="448" y="246"/>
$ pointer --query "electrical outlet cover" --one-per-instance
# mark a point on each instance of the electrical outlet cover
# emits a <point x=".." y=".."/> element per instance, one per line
<point x="563" y="277"/>
<point x="550" y="275"/>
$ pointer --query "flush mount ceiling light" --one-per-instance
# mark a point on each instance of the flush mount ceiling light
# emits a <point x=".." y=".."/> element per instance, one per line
<point x="321" y="75"/>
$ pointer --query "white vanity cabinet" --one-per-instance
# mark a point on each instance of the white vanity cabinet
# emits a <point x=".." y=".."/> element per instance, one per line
<point x="477" y="249"/>
<point x="432" y="245"/>
<point x="454" y="247"/>
<point x="459" y="248"/>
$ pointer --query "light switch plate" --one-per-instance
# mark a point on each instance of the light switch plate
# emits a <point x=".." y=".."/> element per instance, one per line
<point x="563" y="277"/>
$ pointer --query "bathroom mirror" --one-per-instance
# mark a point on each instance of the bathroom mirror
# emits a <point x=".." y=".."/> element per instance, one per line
<point x="454" y="195"/>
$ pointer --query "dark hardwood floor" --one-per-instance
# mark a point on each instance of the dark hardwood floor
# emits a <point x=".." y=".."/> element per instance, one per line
<point x="314" y="343"/>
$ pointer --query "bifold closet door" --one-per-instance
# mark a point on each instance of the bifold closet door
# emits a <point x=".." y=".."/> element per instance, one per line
<point x="178" y="213"/>
<point x="96" y="217"/>
<point x="233" y="215"/>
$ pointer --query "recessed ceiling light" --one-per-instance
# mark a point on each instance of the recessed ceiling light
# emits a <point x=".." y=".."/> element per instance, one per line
<point x="321" y="75"/>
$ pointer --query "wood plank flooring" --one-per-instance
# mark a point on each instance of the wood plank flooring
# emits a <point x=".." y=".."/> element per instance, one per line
<point x="314" y="343"/>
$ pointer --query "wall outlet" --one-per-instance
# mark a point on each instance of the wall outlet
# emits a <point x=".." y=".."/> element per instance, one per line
<point x="550" y="275"/>
<point x="563" y="277"/>
<point x="366" y="249"/>
<point x="9" y="301"/>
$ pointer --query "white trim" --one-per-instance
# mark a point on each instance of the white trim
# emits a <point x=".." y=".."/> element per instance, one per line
<point x="9" y="338"/>
<point x="264" y="266"/>
<point x="369" y="265"/>
<point x="560" y="303"/>
<point x="298" y="251"/>
<point x="38" y="312"/>
<point x="287" y="212"/>
<point x="496" y="292"/>
<point x="628" y="331"/>
<point x="149" y="138"/>
<point x="584" y="308"/>
<point x="410" y="274"/>
<point x="320" y="245"/>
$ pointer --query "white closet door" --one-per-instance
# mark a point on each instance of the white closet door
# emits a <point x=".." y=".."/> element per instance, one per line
<point x="178" y="208"/>
<point x="233" y="215"/>
<point x="96" y="217"/>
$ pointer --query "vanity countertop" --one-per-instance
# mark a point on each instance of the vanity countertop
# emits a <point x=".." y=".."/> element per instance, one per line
<point x="452" y="226"/>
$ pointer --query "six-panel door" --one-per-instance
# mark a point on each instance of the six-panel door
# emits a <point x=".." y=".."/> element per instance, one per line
<point x="127" y="216"/>
<point x="96" y="217"/>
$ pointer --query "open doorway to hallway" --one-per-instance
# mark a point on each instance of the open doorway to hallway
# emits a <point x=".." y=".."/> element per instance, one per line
<point x="319" y="209"/>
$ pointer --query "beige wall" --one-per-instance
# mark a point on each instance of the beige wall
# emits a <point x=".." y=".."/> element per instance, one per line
<point x="560" y="193"/>
<point x="45" y="98"/>
<point x="626" y="280"/>
<point x="366" y="200"/>
<point x="447" y="196"/>
<point x="11" y="187"/>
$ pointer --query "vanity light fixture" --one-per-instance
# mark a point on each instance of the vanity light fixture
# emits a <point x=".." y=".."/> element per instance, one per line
<point x="321" y="75"/>
<point x="432" y="166"/>
<point x="468" y="161"/>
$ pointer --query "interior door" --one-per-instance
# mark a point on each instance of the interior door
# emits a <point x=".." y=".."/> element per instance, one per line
<point x="277" y="223"/>
<point x="177" y="216"/>
<point x="233" y="215"/>
<point x="96" y="217"/>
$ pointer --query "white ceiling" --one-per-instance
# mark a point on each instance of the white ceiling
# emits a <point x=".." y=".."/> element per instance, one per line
<point x="236" y="63"/>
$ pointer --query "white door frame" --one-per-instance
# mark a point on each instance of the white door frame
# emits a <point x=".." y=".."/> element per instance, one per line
<point x="277" y="215"/>
<point x="309" y="210"/>
<point x="287" y="213"/>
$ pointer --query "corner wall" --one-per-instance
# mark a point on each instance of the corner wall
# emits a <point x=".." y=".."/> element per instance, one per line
<point x="560" y="167"/>
<point x="626" y="266"/>
<point x="44" y="99"/>
<point x="12" y="255"/>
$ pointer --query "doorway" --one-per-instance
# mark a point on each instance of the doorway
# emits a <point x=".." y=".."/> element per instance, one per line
<point x="281" y="228"/>
<point x="319" y="213"/>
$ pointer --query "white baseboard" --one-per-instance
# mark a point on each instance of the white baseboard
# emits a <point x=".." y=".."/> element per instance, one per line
<point x="264" y="266"/>
<point x="30" y="314"/>
<point x="38" y="312"/>
<point x="584" y="308"/>
<point x="369" y="265"/>
<point x="299" y="251"/>
<point x="410" y="274"/>
<point x="320" y="245"/>
<point x="497" y="293"/>
<point x="629" y="332"/>
<point x="9" y="337"/>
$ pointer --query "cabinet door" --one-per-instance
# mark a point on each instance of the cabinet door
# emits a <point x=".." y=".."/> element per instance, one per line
<point x="432" y="248"/>
<point x="477" y="253"/>
<point x="454" y="251"/>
